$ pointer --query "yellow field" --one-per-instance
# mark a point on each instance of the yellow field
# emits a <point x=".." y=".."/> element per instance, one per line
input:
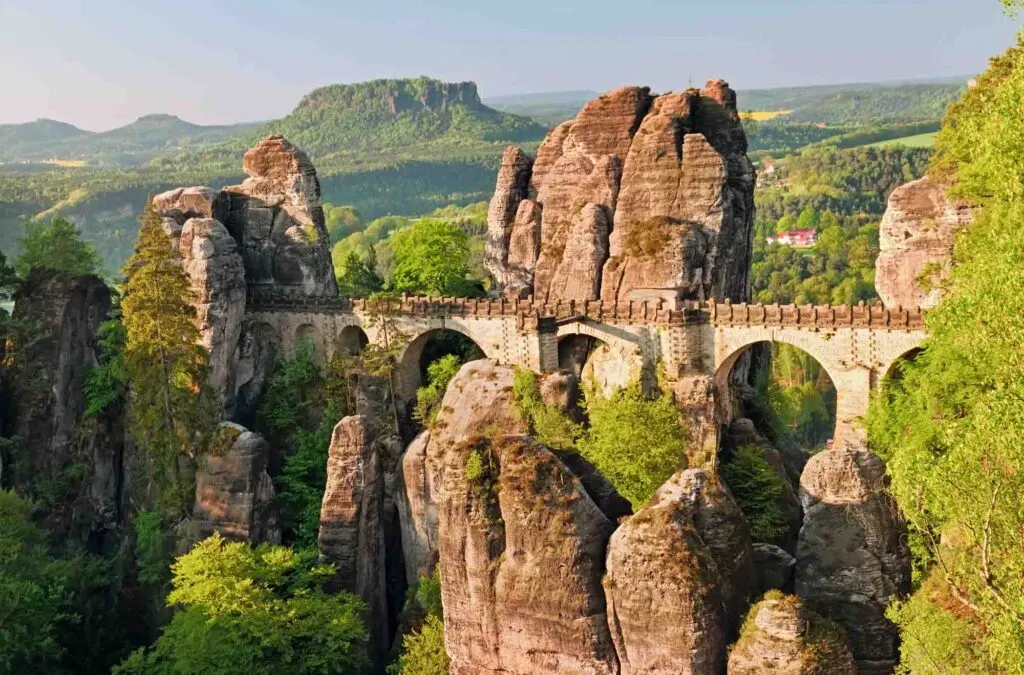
<point x="763" y="115"/>
<point x="73" y="163"/>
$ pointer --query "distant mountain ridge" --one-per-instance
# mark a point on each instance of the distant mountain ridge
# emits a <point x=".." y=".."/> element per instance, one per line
<point x="133" y="143"/>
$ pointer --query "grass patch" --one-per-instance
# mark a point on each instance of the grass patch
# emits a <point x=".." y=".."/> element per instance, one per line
<point x="916" y="141"/>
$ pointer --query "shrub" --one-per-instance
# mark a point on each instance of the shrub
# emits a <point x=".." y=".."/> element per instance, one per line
<point x="428" y="397"/>
<point x="548" y="424"/>
<point x="758" y="489"/>
<point x="423" y="651"/>
<point x="635" y="441"/>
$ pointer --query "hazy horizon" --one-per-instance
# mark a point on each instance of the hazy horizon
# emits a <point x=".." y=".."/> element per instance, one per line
<point x="103" y="64"/>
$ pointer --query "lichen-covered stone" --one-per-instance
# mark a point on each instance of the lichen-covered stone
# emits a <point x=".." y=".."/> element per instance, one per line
<point x="852" y="557"/>
<point x="678" y="573"/>
<point x="783" y="637"/>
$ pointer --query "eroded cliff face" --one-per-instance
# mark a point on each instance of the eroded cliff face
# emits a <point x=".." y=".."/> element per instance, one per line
<point x="234" y="492"/>
<point x="59" y="448"/>
<point x="679" y="573"/>
<point x="278" y="220"/>
<point x="640" y="196"/>
<point x="916" y="242"/>
<point x="852" y="556"/>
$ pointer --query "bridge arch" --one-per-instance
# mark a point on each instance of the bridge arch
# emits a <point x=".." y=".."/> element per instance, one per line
<point x="423" y="349"/>
<point x="613" y="358"/>
<point x="852" y="380"/>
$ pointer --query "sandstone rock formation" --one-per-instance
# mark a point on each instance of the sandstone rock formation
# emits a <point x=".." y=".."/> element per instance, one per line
<point x="416" y="499"/>
<point x="521" y="555"/>
<point x="217" y="276"/>
<point x="639" y="194"/>
<point x="54" y="355"/>
<point x="234" y="492"/>
<point x="520" y="541"/>
<point x="916" y="241"/>
<point x="782" y="637"/>
<point x="513" y="187"/>
<point x="852" y="555"/>
<point x="278" y="220"/>
<point x="678" y="573"/>
<point x="351" y="530"/>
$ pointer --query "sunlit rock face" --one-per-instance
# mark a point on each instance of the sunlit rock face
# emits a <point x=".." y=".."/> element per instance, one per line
<point x="639" y="192"/>
<point x="278" y="220"/>
<point x="916" y="243"/>
<point x="234" y="492"/>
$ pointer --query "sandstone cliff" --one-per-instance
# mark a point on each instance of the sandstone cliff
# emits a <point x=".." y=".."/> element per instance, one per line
<point x="54" y="352"/>
<point x="852" y="556"/>
<point x="916" y="241"/>
<point x="351" y="528"/>
<point x="278" y="220"/>
<point x="639" y="196"/>
<point x="234" y="492"/>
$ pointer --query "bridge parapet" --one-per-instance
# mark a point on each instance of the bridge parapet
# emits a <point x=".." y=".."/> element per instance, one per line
<point x="528" y="311"/>
<point x="817" y="316"/>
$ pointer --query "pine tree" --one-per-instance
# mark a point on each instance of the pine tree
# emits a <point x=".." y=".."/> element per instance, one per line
<point x="164" y="360"/>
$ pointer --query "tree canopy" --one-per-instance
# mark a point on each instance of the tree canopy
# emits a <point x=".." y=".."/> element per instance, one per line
<point x="431" y="258"/>
<point x="952" y="425"/>
<point x="57" y="245"/>
<point x="254" y="611"/>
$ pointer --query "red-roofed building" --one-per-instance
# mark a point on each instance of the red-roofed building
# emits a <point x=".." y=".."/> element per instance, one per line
<point x="796" y="238"/>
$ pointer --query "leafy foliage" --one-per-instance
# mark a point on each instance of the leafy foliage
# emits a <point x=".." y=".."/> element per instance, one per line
<point x="547" y="423"/>
<point x="165" y="362"/>
<point x="757" y="488"/>
<point x="951" y="424"/>
<point x="431" y="258"/>
<point x="33" y="592"/>
<point x="57" y="245"/>
<point x="357" y="276"/>
<point x="298" y="410"/>
<point x="107" y="381"/>
<point x="423" y="651"/>
<point x="262" y="610"/>
<point x="428" y="397"/>
<point x="636" y="442"/>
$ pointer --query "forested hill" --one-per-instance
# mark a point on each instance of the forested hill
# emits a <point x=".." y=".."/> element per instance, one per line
<point x="386" y="146"/>
<point x="135" y="143"/>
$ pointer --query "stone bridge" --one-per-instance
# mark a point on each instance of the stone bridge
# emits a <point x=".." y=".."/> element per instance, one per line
<point x="681" y="341"/>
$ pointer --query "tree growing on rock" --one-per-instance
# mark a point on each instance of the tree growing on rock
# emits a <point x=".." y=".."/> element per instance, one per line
<point x="57" y="245"/>
<point x="165" y="363"/>
<point x="258" y="611"/>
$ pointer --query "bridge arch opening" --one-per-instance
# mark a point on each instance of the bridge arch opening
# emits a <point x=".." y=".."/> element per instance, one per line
<point x="787" y="393"/>
<point x="895" y="372"/>
<point x="592" y="360"/>
<point x="351" y="341"/>
<point x="423" y="350"/>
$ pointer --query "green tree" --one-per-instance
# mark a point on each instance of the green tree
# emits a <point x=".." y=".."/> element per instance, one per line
<point x="430" y="258"/>
<point x="357" y="276"/>
<point x="254" y="611"/>
<point x="428" y="397"/>
<point x="57" y="245"/>
<point x="165" y="362"/>
<point x="951" y="424"/>
<point x="341" y="221"/>
<point x="33" y="593"/>
<point x="637" y="442"/>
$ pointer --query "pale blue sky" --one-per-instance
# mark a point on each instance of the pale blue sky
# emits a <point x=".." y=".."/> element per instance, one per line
<point x="102" y="63"/>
